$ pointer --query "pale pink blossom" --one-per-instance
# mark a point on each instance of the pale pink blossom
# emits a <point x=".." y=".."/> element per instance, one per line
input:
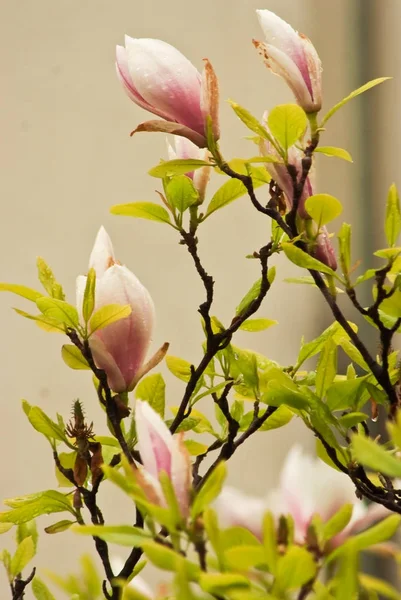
<point x="307" y="487"/>
<point x="185" y="149"/>
<point x="119" y="348"/>
<point x="292" y="56"/>
<point x="158" y="78"/>
<point x="161" y="451"/>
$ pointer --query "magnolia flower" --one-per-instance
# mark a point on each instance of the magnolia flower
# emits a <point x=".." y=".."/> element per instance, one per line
<point x="279" y="172"/>
<point x="324" y="250"/>
<point x="307" y="487"/>
<point x="161" y="451"/>
<point x="292" y="56"/>
<point x="119" y="348"/>
<point x="160" y="79"/>
<point x="184" y="148"/>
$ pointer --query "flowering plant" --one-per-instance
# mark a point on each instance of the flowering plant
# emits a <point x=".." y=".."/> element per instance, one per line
<point x="304" y="540"/>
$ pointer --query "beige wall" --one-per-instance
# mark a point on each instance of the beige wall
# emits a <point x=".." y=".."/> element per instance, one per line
<point x="66" y="156"/>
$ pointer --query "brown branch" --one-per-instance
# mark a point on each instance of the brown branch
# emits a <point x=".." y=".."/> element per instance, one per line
<point x="18" y="586"/>
<point x="104" y="393"/>
<point x="217" y="341"/>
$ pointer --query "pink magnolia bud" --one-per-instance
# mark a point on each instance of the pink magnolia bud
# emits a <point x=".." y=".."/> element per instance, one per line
<point x="279" y="172"/>
<point x="324" y="250"/>
<point x="160" y="79"/>
<point x="184" y="148"/>
<point x="161" y="451"/>
<point x="119" y="348"/>
<point x="292" y="56"/>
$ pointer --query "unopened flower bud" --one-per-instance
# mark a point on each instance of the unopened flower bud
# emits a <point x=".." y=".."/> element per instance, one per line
<point x="161" y="452"/>
<point x="292" y="56"/>
<point x="119" y="348"/>
<point x="157" y="77"/>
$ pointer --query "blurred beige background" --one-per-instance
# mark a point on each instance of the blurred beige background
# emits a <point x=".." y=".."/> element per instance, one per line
<point x="66" y="157"/>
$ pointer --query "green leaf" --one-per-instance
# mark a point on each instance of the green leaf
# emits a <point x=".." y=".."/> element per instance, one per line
<point x="21" y="290"/>
<point x="326" y="368"/>
<point x="47" y="279"/>
<point x="257" y="324"/>
<point x="344" y="241"/>
<point x="179" y="367"/>
<point x="313" y="347"/>
<point x="371" y="455"/>
<point x="338" y="522"/>
<point x="382" y="588"/>
<point x="346" y="394"/>
<point x="210" y="490"/>
<point x="249" y="120"/>
<point x="230" y="190"/>
<point x="177" y="166"/>
<point x="142" y="210"/>
<point x="42" y="423"/>
<point x="295" y="568"/>
<point x="393" y="216"/>
<point x="219" y="583"/>
<point x="181" y="193"/>
<point x="89" y="295"/>
<point x="236" y="536"/>
<point x="346" y="577"/>
<point x="40" y="590"/>
<point x="67" y="460"/>
<point x="281" y="389"/>
<point x="166" y="559"/>
<point x="377" y="534"/>
<point x="73" y="358"/>
<point x="43" y="322"/>
<point x="24" y="554"/>
<point x="288" y="123"/>
<point x="107" y="315"/>
<point x="333" y="151"/>
<point x="270" y="542"/>
<point x="123" y="535"/>
<point x="252" y="294"/>
<point x="353" y="418"/>
<point x="243" y="558"/>
<point x="29" y="507"/>
<point x="4" y="527"/>
<point x="279" y="418"/>
<point x="5" y="558"/>
<point x="25" y="530"/>
<point x="60" y="526"/>
<point x="352" y="95"/>
<point x="59" y="310"/>
<point x="130" y="593"/>
<point x="323" y="208"/>
<point x="152" y="389"/>
<point x="302" y="259"/>
<point x="195" y="448"/>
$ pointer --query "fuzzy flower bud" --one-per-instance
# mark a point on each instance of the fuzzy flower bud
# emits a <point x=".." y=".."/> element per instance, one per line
<point x="292" y="56"/>
<point x="158" y="78"/>
<point x="119" y="348"/>
<point x="161" y="452"/>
